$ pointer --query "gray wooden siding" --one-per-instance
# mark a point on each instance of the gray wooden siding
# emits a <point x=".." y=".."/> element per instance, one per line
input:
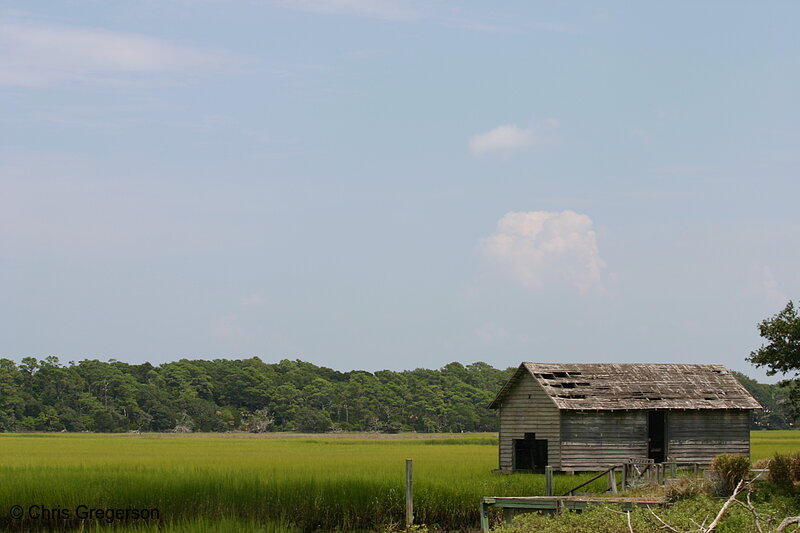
<point x="595" y="439"/>
<point x="699" y="436"/>
<point x="527" y="409"/>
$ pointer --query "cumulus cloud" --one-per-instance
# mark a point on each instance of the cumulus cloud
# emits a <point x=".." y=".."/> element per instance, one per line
<point x="510" y="137"/>
<point x="539" y="249"/>
<point x="37" y="54"/>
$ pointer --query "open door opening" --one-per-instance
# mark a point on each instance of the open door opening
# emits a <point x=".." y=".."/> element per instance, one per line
<point x="656" y="436"/>
<point x="530" y="454"/>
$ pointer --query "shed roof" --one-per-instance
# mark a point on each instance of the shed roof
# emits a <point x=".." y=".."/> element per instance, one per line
<point x="608" y="387"/>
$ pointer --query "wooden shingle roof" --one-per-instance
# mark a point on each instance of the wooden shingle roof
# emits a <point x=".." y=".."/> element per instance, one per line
<point x="605" y="386"/>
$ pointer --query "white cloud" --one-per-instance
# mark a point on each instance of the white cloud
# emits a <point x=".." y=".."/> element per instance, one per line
<point x="767" y="287"/>
<point x="37" y="54"/>
<point x="539" y="249"/>
<point x="510" y="137"/>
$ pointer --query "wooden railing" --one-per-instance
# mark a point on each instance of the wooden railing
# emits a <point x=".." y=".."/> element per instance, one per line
<point x="612" y="480"/>
<point x="631" y="471"/>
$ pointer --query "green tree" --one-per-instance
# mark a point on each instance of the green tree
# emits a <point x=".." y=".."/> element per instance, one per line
<point x="781" y="353"/>
<point x="776" y="407"/>
<point x="309" y="420"/>
<point x="12" y="402"/>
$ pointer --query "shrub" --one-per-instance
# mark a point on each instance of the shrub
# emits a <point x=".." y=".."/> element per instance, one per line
<point x="762" y="463"/>
<point x="794" y="466"/>
<point x="682" y="489"/>
<point x="780" y="471"/>
<point x="684" y="515"/>
<point x="784" y="471"/>
<point x="731" y="469"/>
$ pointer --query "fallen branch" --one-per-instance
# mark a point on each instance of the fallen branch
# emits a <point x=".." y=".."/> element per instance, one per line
<point x="788" y="522"/>
<point x="665" y="524"/>
<point x="607" y="508"/>
<point x="725" y="507"/>
<point x="758" y="518"/>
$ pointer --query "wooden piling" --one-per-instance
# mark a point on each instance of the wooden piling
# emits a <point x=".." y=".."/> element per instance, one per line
<point x="612" y="480"/>
<point x="548" y="481"/>
<point x="409" y="496"/>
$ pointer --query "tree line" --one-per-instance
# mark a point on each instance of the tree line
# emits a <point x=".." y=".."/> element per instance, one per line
<point x="251" y="395"/>
<point x="248" y="394"/>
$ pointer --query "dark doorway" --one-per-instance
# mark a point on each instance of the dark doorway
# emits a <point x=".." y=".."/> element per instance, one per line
<point x="656" y="436"/>
<point x="530" y="454"/>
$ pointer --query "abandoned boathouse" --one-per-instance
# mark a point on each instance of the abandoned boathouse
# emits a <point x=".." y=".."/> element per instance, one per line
<point x="582" y="417"/>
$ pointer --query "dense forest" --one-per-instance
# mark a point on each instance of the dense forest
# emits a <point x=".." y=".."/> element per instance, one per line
<point x="251" y="395"/>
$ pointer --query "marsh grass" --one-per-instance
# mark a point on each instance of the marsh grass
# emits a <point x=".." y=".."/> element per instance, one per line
<point x="273" y="484"/>
<point x="346" y="484"/>
<point x="765" y="444"/>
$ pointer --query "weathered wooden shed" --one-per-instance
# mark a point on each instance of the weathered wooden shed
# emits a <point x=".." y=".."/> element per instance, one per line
<point x="580" y="417"/>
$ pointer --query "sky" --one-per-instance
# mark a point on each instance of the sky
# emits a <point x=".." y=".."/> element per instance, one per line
<point x="385" y="184"/>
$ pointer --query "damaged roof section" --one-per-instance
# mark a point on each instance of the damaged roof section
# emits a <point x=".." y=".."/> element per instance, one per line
<point x="604" y="386"/>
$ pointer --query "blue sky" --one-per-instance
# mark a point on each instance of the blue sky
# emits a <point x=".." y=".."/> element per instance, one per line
<point x="384" y="184"/>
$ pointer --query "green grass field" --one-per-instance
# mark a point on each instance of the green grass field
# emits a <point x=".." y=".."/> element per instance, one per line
<point x="768" y="443"/>
<point x="218" y="483"/>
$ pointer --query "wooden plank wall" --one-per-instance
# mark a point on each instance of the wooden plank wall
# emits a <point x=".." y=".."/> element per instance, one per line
<point x="595" y="439"/>
<point x="527" y="409"/>
<point x="699" y="436"/>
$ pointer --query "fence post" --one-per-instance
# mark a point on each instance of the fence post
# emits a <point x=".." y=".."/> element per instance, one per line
<point x="548" y="481"/>
<point x="409" y="496"/>
<point x="673" y="469"/>
<point x="484" y="516"/>
<point x="624" y="476"/>
<point x="612" y="479"/>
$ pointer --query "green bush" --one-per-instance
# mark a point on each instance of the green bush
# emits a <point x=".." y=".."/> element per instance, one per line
<point x="784" y="471"/>
<point x="682" y="516"/>
<point x="794" y="466"/>
<point x="780" y="471"/>
<point x="732" y="469"/>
